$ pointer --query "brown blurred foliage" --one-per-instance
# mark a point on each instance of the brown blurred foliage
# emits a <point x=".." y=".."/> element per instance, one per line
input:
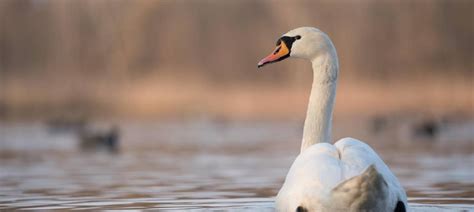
<point x="80" y="52"/>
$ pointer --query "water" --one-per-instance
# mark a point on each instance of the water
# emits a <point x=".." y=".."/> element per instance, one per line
<point x="205" y="165"/>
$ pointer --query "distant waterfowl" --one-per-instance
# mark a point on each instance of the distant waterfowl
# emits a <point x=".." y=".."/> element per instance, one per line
<point x="346" y="176"/>
<point x="66" y="124"/>
<point x="428" y="129"/>
<point x="98" y="140"/>
<point x="409" y="127"/>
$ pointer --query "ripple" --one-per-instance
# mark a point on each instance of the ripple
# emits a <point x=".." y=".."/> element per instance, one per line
<point x="169" y="171"/>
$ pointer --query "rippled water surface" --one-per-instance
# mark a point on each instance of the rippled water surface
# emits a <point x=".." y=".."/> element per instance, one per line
<point x="209" y="165"/>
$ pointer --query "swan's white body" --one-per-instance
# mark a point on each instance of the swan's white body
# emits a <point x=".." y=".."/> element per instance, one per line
<point x="346" y="176"/>
<point x="340" y="177"/>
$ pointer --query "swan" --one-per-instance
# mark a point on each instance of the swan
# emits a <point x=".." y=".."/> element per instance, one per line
<point x="346" y="176"/>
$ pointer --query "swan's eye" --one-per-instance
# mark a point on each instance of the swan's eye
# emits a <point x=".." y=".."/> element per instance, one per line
<point x="278" y="42"/>
<point x="298" y="37"/>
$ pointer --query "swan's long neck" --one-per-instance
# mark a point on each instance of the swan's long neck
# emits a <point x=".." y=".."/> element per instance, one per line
<point x="318" y="122"/>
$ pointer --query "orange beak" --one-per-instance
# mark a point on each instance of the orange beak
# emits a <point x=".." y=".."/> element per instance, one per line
<point x="281" y="52"/>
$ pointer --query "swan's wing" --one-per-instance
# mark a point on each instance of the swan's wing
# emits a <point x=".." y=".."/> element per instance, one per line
<point x="363" y="192"/>
<point x="324" y="168"/>
<point x="357" y="156"/>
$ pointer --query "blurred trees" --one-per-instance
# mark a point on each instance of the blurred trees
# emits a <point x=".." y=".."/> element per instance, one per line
<point x="175" y="55"/>
<point x="217" y="39"/>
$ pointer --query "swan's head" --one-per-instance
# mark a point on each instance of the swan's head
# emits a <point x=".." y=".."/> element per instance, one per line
<point x="304" y="42"/>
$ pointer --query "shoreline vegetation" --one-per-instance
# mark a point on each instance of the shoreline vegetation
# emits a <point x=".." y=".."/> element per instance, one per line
<point x="161" y="98"/>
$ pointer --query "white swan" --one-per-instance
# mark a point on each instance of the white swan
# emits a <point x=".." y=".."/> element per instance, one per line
<point x="346" y="176"/>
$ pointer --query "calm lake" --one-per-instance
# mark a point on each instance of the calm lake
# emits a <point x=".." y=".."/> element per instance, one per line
<point x="213" y="165"/>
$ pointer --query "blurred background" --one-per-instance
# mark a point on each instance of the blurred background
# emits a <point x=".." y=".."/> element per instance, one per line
<point x="155" y="59"/>
<point x="173" y="88"/>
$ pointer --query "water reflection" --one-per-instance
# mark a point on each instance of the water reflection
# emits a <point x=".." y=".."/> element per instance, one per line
<point x="200" y="165"/>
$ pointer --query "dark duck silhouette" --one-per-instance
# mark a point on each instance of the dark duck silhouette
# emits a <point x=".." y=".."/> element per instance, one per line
<point x="99" y="140"/>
